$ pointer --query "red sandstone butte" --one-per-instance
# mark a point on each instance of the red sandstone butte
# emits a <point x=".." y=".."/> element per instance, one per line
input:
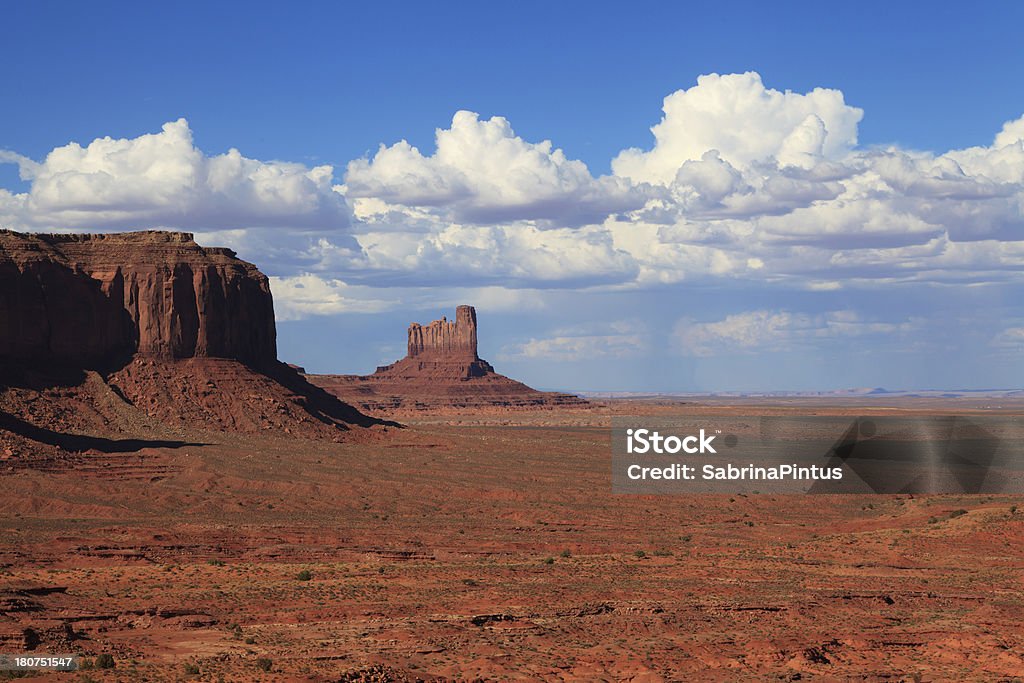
<point x="441" y="371"/>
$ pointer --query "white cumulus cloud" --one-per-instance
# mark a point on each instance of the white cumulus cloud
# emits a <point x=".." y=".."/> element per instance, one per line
<point x="744" y="184"/>
<point x="163" y="180"/>
<point x="744" y="121"/>
<point x="301" y="296"/>
<point x="516" y="255"/>
<point x="482" y="172"/>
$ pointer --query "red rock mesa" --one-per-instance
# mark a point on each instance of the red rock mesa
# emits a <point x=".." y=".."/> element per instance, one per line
<point x="88" y="298"/>
<point x="103" y="334"/>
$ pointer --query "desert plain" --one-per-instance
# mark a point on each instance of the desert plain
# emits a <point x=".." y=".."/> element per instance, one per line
<point x="490" y="547"/>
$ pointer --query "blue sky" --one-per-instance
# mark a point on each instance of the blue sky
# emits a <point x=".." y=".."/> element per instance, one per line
<point x="842" y="206"/>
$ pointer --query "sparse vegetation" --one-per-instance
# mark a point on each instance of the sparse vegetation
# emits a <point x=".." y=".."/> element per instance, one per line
<point x="31" y="637"/>
<point x="365" y="589"/>
<point x="105" y="661"/>
<point x="952" y="515"/>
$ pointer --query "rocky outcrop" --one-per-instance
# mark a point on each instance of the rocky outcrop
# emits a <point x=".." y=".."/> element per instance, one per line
<point x="147" y="325"/>
<point x="443" y="351"/>
<point x="85" y="299"/>
<point x="441" y="371"/>
<point x="444" y="339"/>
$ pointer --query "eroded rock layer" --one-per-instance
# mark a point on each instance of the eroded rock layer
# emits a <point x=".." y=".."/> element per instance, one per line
<point x="449" y="340"/>
<point x="87" y="298"/>
<point x="441" y="371"/>
<point x="108" y="340"/>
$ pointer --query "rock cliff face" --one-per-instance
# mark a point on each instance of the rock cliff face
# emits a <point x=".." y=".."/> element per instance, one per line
<point x="145" y="328"/>
<point x="443" y="339"/>
<point x="89" y="298"/>
<point x="441" y="371"/>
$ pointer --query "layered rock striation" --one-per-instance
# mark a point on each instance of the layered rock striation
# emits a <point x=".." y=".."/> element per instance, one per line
<point x="125" y="331"/>
<point x="444" y="351"/>
<point x="444" y="339"/>
<point x="87" y="299"/>
<point x="441" y="371"/>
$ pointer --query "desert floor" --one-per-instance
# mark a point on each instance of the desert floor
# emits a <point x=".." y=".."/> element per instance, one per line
<point x="491" y="548"/>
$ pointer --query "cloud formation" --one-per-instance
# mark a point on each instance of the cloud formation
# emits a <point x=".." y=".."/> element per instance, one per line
<point x="163" y="180"/>
<point x="300" y="296"/>
<point x="767" y="330"/>
<point x="619" y="339"/>
<point x="745" y="122"/>
<point x="743" y="184"/>
<point x="482" y="172"/>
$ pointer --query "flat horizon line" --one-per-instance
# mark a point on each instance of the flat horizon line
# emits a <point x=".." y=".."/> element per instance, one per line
<point x="823" y="393"/>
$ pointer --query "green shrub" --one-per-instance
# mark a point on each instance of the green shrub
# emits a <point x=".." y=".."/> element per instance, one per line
<point x="105" y="661"/>
<point x="304" y="575"/>
<point x="264" y="664"/>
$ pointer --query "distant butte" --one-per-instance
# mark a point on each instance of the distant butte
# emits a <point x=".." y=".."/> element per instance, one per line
<point x="441" y="370"/>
